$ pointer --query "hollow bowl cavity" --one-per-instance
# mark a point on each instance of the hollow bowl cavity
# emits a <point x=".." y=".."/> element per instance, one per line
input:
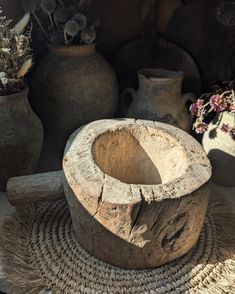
<point x="144" y="157"/>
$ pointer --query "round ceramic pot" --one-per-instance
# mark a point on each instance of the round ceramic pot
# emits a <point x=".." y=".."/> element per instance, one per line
<point x="21" y="137"/>
<point x="159" y="98"/>
<point x="220" y="148"/>
<point x="73" y="86"/>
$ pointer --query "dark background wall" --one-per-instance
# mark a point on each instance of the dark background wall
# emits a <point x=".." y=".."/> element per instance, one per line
<point x="191" y="24"/>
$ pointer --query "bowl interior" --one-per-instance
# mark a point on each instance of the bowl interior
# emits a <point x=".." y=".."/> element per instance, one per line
<point x="140" y="156"/>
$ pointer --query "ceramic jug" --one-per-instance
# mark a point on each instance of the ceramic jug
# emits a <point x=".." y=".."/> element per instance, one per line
<point x="21" y="137"/>
<point x="159" y="98"/>
<point x="73" y="86"/>
<point x="220" y="148"/>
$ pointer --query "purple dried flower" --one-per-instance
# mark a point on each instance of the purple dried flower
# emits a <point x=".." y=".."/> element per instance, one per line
<point x="232" y="108"/>
<point x="201" y="128"/>
<point x="195" y="107"/>
<point x="217" y="103"/>
<point x="232" y="133"/>
<point x="224" y="128"/>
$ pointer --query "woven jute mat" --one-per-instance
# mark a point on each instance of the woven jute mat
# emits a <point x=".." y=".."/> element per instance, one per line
<point x="40" y="251"/>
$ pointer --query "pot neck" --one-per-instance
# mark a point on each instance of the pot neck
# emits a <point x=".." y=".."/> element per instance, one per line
<point x="164" y="85"/>
<point x="80" y="50"/>
<point x="16" y="98"/>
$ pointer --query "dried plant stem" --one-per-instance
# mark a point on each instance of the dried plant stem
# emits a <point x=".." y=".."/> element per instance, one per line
<point x="40" y="25"/>
<point x="51" y="21"/>
<point x="61" y="3"/>
<point x="65" y="38"/>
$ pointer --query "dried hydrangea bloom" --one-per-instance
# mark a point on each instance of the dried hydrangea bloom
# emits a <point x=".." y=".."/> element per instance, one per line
<point x="201" y="127"/>
<point x="217" y="103"/>
<point x="224" y="128"/>
<point x="88" y="35"/>
<point x="71" y="28"/>
<point x="195" y="107"/>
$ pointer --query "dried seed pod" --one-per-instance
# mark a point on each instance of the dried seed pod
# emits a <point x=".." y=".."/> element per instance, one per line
<point x="61" y="15"/>
<point x="81" y="20"/>
<point x="48" y="6"/>
<point x="30" y="5"/>
<point x="71" y="28"/>
<point x="88" y="35"/>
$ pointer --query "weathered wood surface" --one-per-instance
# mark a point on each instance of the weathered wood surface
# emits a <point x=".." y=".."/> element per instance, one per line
<point x="35" y="188"/>
<point x="137" y="191"/>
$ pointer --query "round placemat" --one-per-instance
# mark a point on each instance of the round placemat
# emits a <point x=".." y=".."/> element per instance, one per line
<point x="40" y="251"/>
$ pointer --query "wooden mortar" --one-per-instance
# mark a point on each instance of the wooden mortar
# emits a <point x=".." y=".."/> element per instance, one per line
<point x="137" y="190"/>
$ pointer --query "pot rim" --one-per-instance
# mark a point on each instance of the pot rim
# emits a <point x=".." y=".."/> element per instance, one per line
<point x="72" y="50"/>
<point x="198" y="168"/>
<point x="160" y="74"/>
<point x="17" y="95"/>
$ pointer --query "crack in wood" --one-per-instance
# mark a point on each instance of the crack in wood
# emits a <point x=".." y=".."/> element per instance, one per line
<point x="138" y="213"/>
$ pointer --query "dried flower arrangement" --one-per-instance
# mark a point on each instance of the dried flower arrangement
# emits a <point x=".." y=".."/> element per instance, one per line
<point x="15" y="54"/>
<point x="63" y="22"/>
<point x="221" y="99"/>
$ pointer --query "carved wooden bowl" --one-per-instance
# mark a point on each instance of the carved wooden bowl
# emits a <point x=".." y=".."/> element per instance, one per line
<point x="137" y="190"/>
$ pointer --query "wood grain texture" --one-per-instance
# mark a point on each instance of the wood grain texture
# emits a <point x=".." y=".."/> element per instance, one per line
<point x="35" y="188"/>
<point x="137" y="191"/>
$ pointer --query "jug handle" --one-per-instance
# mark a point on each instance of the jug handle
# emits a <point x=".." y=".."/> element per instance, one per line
<point x="128" y="91"/>
<point x="188" y="97"/>
<point x="35" y="188"/>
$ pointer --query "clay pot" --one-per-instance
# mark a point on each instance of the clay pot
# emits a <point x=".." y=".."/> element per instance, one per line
<point x="73" y="86"/>
<point x="21" y="137"/>
<point x="220" y="148"/>
<point x="159" y="98"/>
<point x="137" y="190"/>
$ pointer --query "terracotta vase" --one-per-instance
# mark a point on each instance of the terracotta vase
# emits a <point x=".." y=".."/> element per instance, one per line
<point x="21" y="137"/>
<point x="220" y="148"/>
<point x="73" y="86"/>
<point x="159" y="98"/>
